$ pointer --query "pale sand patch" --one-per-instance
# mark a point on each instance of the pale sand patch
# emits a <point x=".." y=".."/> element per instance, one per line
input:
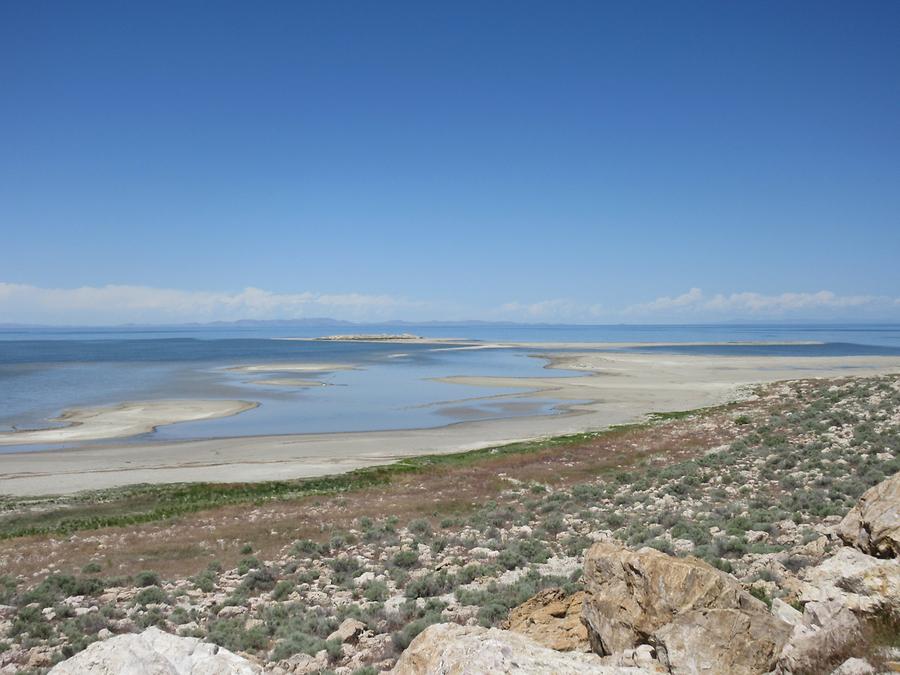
<point x="291" y="382"/>
<point x="125" y="419"/>
<point x="618" y="388"/>
<point x="292" y="367"/>
<point x="486" y="345"/>
<point x="385" y="340"/>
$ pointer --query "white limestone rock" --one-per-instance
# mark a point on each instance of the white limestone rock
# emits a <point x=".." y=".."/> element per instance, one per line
<point x="450" y="649"/>
<point x="155" y="652"/>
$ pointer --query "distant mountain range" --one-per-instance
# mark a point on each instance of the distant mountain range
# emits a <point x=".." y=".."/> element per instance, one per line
<point x="272" y="323"/>
<point x="325" y="322"/>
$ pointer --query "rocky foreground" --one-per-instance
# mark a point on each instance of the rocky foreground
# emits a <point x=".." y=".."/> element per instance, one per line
<point x="776" y="552"/>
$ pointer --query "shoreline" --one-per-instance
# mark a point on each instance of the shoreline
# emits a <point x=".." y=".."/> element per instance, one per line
<point x="617" y="388"/>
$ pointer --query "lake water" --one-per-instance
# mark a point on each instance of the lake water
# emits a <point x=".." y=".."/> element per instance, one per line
<point x="45" y="371"/>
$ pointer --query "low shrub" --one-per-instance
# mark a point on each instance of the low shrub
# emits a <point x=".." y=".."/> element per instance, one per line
<point x="59" y="586"/>
<point x="231" y="634"/>
<point x="406" y="559"/>
<point x="151" y="595"/>
<point x="247" y="564"/>
<point x="282" y="589"/>
<point x="91" y="568"/>
<point x="146" y="578"/>
<point x="259" y="579"/>
<point x="376" y="591"/>
<point x="429" y="585"/>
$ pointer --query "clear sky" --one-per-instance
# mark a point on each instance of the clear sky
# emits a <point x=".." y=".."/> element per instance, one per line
<point x="552" y="161"/>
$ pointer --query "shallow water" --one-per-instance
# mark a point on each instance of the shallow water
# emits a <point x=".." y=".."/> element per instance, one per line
<point x="43" y="372"/>
<point x="391" y="387"/>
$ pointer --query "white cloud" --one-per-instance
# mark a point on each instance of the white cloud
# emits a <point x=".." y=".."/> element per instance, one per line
<point x="116" y="304"/>
<point x="689" y="299"/>
<point x="756" y="302"/>
<point x="750" y="304"/>
<point x="23" y="303"/>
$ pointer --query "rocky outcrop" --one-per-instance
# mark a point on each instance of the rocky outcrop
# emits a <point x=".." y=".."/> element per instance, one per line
<point x="854" y="666"/>
<point x="860" y="582"/>
<point x="721" y="641"/>
<point x="155" y="652"/>
<point x="552" y="619"/>
<point x="643" y="656"/>
<point x="786" y="612"/>
<point x="873" y="525"/>
<point x="629" y="595"/>
<point x="824" y="636"/>
<point x="451" y="649"/>
<point x="698" y="618"/>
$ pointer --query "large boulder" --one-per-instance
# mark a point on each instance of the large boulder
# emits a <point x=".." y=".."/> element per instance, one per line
<point x="823" y="639"/>
<point x="451" y="649"/>
<point x="854" y="666"/>
<point x="155" y="652"/>
<point x="629" y="595"/>
<point x="861" y="582"/>
<point x="349" y="631"/>
<point x="721" y="641"/>
<point x="699" y="619"/>
<point x="553" y="619"/>
<point x="873" y="525"/>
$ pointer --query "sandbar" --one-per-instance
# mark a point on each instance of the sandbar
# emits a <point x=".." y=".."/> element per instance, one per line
<point x="292" y="367"/>
<point x="124" y="419"/>
<point x="291" y="382"/>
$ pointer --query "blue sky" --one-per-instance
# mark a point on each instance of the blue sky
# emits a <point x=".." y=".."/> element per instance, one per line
<point x="578" y="161"/>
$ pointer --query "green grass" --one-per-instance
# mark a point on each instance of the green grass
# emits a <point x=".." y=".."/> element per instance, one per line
<point x="149" y="503"/>
<point x="682" y="414"/>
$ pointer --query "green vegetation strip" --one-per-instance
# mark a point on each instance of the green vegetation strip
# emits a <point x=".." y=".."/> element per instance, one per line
<point x="148" y="503"/>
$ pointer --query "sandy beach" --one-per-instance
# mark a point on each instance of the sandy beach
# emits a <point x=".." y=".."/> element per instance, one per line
<point x="615" y="388"/>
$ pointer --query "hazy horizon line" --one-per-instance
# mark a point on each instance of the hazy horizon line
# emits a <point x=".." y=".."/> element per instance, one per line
<point x="329" y="321"/>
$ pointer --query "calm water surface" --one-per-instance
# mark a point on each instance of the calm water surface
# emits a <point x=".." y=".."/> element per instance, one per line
<point x="45" y="371"/>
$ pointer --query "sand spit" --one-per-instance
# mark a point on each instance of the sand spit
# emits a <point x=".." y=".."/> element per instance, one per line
<point x="292" y="367"/>
<point x="616" y="388"/>
<point x="644" y="382"/>
<point x="386" y="339"/>
<point x="125" y="419"/>
<point x="290" y="382"/>
<point x="601" y="346"/>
